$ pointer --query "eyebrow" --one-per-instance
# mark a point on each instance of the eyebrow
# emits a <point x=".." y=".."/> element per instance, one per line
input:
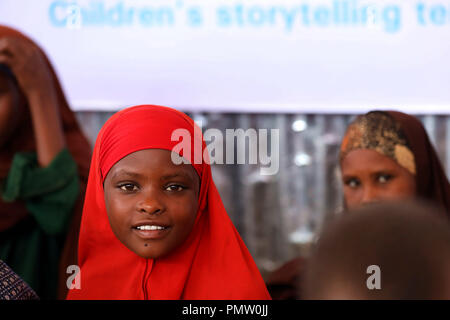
<point x="126" y="173"/>
<point x="163" y="178"/>
<point x="177" y="175"/>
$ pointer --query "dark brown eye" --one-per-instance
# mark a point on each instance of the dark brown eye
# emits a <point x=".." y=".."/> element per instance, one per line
<point x="128" y="187"/>
<point x="352" y="183"/>
<point x="384" y="178"/>
<point x="175" y="187"/>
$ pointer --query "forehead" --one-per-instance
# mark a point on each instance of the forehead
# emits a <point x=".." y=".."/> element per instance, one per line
<point x="367" y="160"/>
<point x="152" y="162"/>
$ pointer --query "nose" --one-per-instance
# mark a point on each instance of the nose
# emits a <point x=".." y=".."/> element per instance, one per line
<point x="150" y="203"/>
<point x="370" y="195"/>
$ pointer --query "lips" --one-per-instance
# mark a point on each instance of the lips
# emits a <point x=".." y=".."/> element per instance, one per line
<point x="151" y="230"/>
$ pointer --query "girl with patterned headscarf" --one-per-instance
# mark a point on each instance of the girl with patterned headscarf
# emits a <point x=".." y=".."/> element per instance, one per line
<point x="388" y="155"/>
<point x="385" y="155"/>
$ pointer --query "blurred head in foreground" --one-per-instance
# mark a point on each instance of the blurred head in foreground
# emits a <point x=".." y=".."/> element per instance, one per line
<point x="382" y="251"/>
<point x="387" y="155"/>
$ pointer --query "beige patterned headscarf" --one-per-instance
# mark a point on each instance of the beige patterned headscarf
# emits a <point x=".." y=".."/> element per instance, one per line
<point x="378" y="131"/>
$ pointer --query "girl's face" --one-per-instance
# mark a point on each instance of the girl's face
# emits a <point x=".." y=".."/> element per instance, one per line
<point x="151" y="202"/>
<point x="369" y="176"/>
<point x="10" y="107"/>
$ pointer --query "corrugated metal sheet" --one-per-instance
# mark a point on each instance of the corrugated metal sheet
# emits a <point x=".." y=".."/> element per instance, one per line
<point x="277" y="215"/>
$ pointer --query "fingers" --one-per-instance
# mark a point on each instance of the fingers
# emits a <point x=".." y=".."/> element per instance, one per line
<point x="11" y="46"/>
<point x="5" y="50"/>
<point x="25" y="61"/>
<point x="12" y="51"/>
<point x="3" y="43"/>
<point x="5" y="59"/>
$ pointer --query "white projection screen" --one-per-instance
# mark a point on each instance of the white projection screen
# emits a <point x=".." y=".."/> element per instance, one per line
<point x="315" y="56"/>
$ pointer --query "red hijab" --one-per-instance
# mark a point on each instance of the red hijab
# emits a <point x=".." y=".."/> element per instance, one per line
<point x="213" y="263"/>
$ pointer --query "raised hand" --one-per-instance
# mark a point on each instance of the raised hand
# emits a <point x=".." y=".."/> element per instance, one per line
<point x="27" y="63"/>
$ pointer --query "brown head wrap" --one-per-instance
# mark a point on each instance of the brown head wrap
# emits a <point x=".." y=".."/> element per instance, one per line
<point x="12" y="213"/>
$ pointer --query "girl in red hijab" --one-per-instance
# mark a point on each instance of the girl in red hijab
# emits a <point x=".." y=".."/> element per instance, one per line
<point x="153" y="229"/>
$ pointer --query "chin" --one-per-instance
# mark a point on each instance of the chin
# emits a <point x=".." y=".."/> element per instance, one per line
<point x="147" y="253"/>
